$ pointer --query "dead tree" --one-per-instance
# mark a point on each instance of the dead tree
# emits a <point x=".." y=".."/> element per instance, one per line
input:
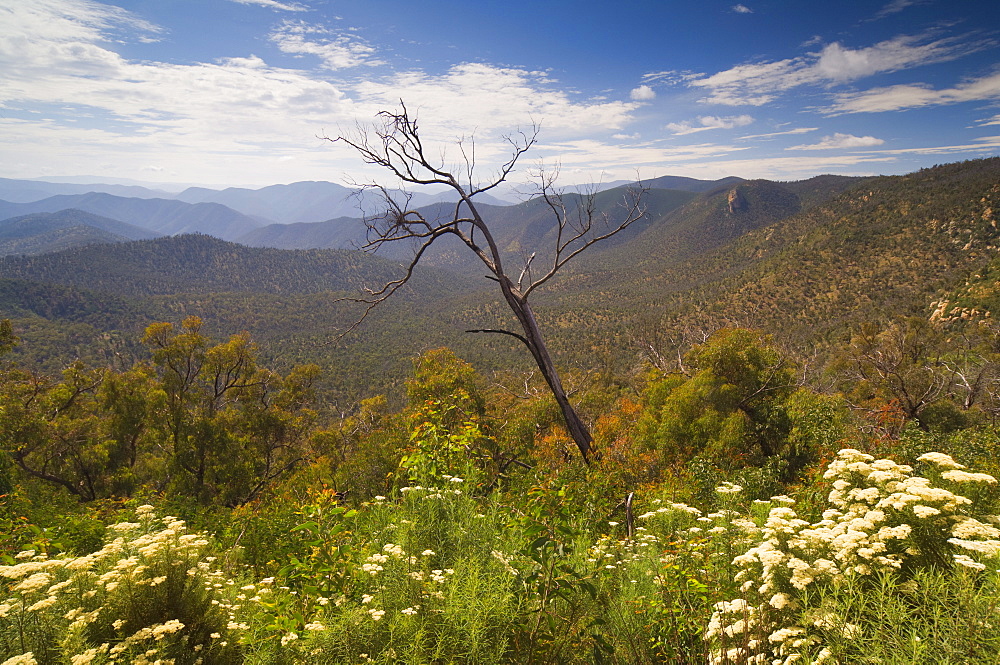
<point x="394" y="143"/>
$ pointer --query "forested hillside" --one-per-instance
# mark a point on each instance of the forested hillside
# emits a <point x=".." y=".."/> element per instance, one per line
<point x="44" y="233"/>
<point x="203" y="264"/>
<point x="888" y="246"/>
<point x="806" y="261"/>
<point x="793" y="391"/>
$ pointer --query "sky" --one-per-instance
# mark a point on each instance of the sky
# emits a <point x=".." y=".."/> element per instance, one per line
<point x="241" y="92"/>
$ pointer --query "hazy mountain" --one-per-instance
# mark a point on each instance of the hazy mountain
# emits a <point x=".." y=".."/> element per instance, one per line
<point x="25" y="225"/>
<point x="309" y="201"/>
<point x="339" y="233"/>
<point x="161" y="216"/>
<point x="58" y="239"/>
<point x="43" y="232"/>
<point x="26" y="191"/>
<point x="690" y="184"/>
<point x="518" y="229"/>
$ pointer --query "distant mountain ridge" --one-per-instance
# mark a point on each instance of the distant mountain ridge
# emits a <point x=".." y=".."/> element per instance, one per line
<point x="518" y="229"/>
<point x="304" y="201"/>
<point x="44" y="232"/>
<point x="685" y="184"/>
<point x="27" y="191"/>
<point x="246" y="215"/>
<point x="310" y="201"/>
<point x="160" y="216"/>
<point x="201" y="263"/>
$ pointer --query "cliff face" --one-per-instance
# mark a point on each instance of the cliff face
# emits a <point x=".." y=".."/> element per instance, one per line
<point x="737" y="202"/>
<point x="756" y="203"/>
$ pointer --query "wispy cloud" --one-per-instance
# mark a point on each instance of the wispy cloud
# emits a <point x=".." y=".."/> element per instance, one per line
<point x="760" y="83"/>
<point x="910" y="96"/>
<point x="983" y="144"/>
<point x="621" y="161"/>
<point x="276" y="4"/>
<point x="336" y="51"/>
<point x="670" y="77"/>
<point x="895" y="7"/>
<point x="995" y="120"/>
<point x="840" y="141"/>
<point x="797" y="130"/>
<point x="707" y="122"/>
<point x="781" y="167"/>
<point x="742" y="9"/>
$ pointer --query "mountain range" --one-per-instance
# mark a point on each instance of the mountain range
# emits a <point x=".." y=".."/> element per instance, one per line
<point x="807" y="261"/>
<point x="303" y="215"/>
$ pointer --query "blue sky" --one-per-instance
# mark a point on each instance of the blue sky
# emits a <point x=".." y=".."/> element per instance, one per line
<point x="235" y="92"/>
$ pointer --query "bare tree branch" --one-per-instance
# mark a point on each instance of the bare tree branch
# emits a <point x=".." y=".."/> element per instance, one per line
<point x="394" y="144"/>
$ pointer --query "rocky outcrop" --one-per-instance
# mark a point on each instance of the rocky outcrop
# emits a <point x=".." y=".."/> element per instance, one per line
<point x="737" y="202"/>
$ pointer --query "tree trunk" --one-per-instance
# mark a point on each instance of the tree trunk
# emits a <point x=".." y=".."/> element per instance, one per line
<point x="577" y="429"/>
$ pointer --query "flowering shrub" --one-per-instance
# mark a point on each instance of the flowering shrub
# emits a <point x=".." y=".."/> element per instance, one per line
<point x="411" y="580"/>
<point x="148" y="596"/>
<point x="882" y="519"/>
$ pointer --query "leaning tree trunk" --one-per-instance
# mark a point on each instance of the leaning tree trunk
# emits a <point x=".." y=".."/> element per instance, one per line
<point x="533" y="338"/>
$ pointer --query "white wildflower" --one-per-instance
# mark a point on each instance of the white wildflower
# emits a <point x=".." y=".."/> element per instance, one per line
<point x="940" y="459"/>
<point x="969" y="562"/>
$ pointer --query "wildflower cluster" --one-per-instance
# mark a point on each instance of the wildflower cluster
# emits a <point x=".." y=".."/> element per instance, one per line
<point x="882" y="519"/>
<point x="410" y="578"/>
<point x="149" y="595"/>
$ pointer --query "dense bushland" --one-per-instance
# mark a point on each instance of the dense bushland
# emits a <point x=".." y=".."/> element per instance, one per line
<point x="197" y="507"/>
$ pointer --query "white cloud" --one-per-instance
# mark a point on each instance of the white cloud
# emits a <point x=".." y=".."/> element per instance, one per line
<point x="797" y="130"/>
<point x="839" y="64"/>
<point x="759" y="83"/>
<point x="995" y="120"/>
<point x="481" y="99"/>
<point x="780" y="168"/>
<point x="898" y="97"/>
<point x="707" y="122"/>
<point x="67" y="97"/>
<point x="336" y="52"/>
<point x="643" y="93"/>
<point x="275" y="4"/>
<point x="742" y="9"/>
<point x="708" y="161"/>
<point x="839" y="141"/>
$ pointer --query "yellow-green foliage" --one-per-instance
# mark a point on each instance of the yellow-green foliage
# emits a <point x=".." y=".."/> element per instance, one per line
<point x="731" y="407"/>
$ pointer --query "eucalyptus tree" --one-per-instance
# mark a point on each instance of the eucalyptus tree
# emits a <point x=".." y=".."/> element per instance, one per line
<point x="395" y="144"/>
